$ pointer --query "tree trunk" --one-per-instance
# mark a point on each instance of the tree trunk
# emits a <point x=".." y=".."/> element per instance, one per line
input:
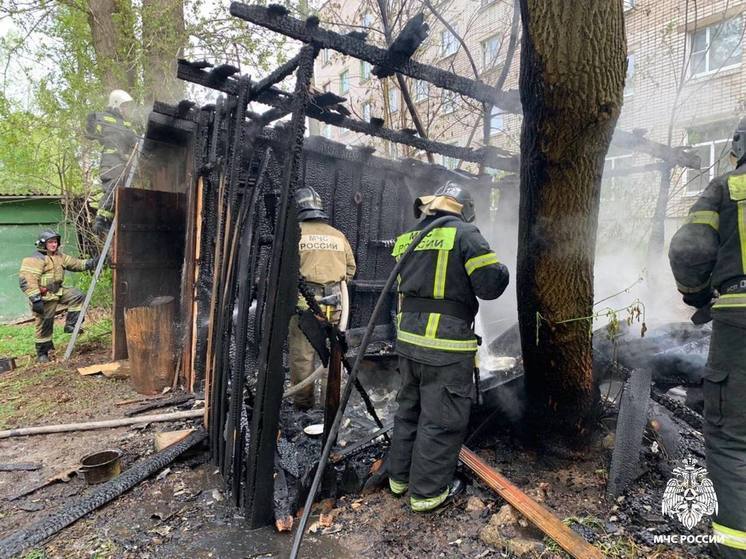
<point x="573" y="60"/>
<point x="164" y="38"/>
<point x="112" y="32"/>
<point x="658" y="233"/>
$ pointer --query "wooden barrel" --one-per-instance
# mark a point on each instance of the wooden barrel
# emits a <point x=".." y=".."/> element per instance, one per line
<point x="151" y="344"/>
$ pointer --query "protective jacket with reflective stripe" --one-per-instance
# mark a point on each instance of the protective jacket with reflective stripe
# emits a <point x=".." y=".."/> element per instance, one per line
<point x="452" y="263"/>
<point x="709" y="250"/>
<point x="42" y="274"/>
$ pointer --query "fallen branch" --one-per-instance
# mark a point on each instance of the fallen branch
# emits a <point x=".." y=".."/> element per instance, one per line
<point x="20" y="467"/>
<point x="547" y="522"/>
<point x="44" y="429"/>
<point x="174" y="401"/>
<point x="80" y="506"/>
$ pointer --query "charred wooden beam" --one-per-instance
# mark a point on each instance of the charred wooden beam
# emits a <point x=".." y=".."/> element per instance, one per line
<point x="350" y="45"/>
<point x="282" y="101"/>
<point x="279" y="74"/>
<point x="648" y="168"/>
<point x="639" y="143"/>
<point x="280" y="302"/>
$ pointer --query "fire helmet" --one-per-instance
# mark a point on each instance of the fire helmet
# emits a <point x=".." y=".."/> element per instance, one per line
<point x="46" y="235"/>
<point x="738" y="146"/>
<point x="309" y="204"/>
<point x="119" y="97"/>
<point x="452" y="192"/>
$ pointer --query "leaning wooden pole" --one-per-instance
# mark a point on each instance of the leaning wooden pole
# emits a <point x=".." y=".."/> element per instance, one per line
<point x="533" y="511"/>
<point x="134" y="159"/>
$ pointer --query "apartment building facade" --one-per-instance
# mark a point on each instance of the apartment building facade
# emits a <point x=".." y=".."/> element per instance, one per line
<point x="686" y="85"/>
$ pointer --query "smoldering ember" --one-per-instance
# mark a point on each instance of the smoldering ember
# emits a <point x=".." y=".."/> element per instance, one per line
<point x="373" y="279"/>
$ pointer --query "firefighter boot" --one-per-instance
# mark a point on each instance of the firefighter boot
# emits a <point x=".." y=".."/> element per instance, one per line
<point x="42" y="351"/>
<point x="71" y="320"/>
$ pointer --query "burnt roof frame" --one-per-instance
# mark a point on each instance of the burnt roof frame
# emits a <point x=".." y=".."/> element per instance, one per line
<point x="281" y="101"/>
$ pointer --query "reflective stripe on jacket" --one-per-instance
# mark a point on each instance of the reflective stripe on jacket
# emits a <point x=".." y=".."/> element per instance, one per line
<point x="41" y="274"/>
<point x="452" y="263"/>
<point x="710" y="248"/>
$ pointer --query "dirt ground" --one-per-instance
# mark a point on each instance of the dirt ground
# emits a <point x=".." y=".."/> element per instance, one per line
<point x="183" y="512"/>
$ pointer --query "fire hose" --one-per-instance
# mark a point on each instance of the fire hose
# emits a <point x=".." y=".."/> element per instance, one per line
<point x="323" y="461"/>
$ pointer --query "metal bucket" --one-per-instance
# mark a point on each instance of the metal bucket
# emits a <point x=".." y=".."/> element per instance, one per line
<point x="101" y="466"/>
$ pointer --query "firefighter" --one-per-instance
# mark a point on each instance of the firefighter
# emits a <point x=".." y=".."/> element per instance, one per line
<point x="438" y="290"/>
<point x="326" y="259"/>
<point x="708" y="260"/>
<point x="114" y="131"/>
<point x="41" y="278"/>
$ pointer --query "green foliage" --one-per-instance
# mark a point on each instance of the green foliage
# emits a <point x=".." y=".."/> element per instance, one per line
<point x="35" y="554"/>
<point x="103" y="293"/>
<point x="18" y="341"/>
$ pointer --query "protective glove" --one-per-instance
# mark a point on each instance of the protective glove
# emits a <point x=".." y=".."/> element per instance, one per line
<point x="37" y="305"/>
<point x="101" y="225"/>
<point x="699" y="300"/>
<point x="90" y="264"/>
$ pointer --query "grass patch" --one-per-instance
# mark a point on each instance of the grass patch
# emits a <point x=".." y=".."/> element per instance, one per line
<point x="17" y="341"/>
<point x="612" y="546"/>
<point x="14" y="390"/>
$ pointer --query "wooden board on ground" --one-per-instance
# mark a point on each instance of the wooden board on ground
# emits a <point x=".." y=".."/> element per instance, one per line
<point x="113" y="369"/>
<point x="165" y="439"/>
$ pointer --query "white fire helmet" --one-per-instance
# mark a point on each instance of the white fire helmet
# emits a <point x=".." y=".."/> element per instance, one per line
<point x="118" y="97"/>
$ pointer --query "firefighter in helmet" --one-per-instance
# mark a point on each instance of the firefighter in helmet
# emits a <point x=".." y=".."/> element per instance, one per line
<point x="41" y="278"/>
<point x="115" y="132"/>
<point x="708" y="260"/>
<point x="326" y="260"/>
<point x="438" y="289"/>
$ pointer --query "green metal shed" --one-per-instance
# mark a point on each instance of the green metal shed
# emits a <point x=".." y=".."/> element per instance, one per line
<point x="21" y="220"/>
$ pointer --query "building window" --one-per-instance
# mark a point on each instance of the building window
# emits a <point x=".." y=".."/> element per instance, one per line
<point x="716" y="47"/>
<point x="364" y="70"/>
<point x="484" y="3"/>
<point x="448" y="162"/>
<point x="497" y="121"/>
<point x="420" y="90"/>
<point x="448" y="43"/>
<point x="344" y="82"/>
<point x="448" y="101"/>
<point x="490" y="50"/>
<point x="326" y="56"/>
<point x="629" y="4"/>
<point x="393" y="99"/>
<point x="367" y="20"/>
<point x="712" y="144"/>
<point x="366" y="111"/>
<point x="629" y="80"/>
<point x="326" y="131"/>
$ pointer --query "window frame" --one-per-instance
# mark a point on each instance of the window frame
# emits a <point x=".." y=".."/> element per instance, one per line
<point x="366" y="106"/>
<point x="419" y="95"/>
<point x="455" y="44"/>
<point x="711" y="170"/>
<point x="708" y="49"/>
<point x="344" y="78"/>
<point x="447" y="101"/>
<point x="489" y="66"/>
<point x="365" y="70"/>
<point x="392" y="91"/>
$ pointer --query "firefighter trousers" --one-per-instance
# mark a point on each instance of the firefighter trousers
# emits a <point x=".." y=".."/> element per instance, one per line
<point x="725" y="435"/>
<point x="430" y="424"/>
<point x="69" y="296"/>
